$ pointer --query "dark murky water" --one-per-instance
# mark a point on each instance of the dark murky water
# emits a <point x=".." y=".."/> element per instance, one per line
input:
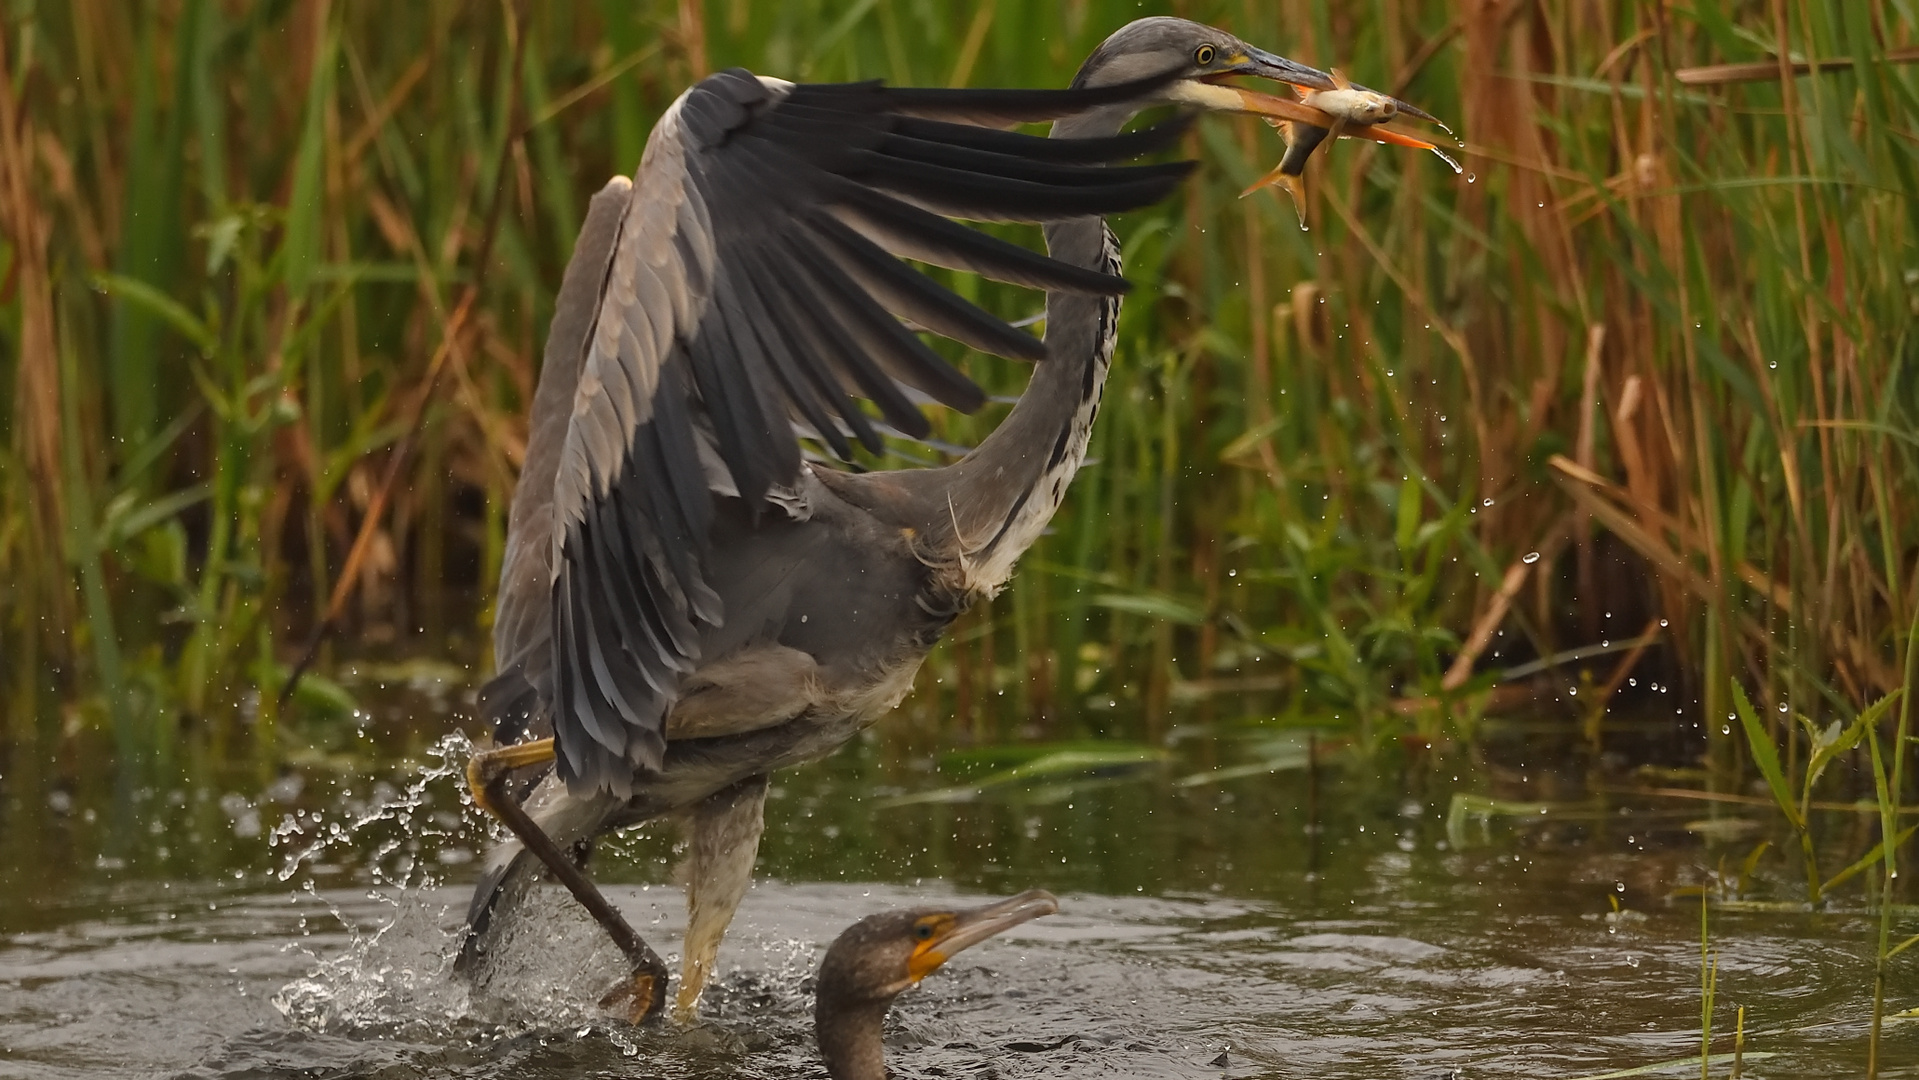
<point x="1259" y="926"/>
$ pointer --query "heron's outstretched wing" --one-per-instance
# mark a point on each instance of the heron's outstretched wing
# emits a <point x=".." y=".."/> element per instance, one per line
<point x="523" y="608"/>
<point x="754" y="283"/>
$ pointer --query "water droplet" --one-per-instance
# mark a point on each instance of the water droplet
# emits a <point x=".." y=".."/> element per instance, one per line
<point x="1485" y="502"/>
<point x="1531" y="558"/>
<point x="1447" y="158"/>
<point x="1725" y="729"/>
<point x="1472" y="178"/>
<point x="1662" y="622"/>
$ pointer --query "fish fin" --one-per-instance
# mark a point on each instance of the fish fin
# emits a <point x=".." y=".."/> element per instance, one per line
<point x="1381" y="134"/>
<point x="1297" y="189"/>
<point x="1275" y="176"/>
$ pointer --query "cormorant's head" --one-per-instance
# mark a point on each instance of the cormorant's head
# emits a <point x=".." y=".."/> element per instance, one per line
<point x="882" y="955"/>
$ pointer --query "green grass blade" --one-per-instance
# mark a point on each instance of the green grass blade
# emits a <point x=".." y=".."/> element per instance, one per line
<point x="1676" y="1065"/>
<point x="1766" y="756"/>
<point x="304" y="204"/>
<point x="158" y="304"/>
<point x="1870" y="858"/>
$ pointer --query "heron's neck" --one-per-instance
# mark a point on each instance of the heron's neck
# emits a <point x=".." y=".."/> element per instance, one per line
<point x="1001" y="495"/>
<point x="849" y="1037"/>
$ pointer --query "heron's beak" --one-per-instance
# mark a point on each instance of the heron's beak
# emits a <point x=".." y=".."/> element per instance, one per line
<point x="1266" y="65"/>
<point x="974" y="925"/>
<point x="1220" y="97"/>
<point x="1280" y="69"/>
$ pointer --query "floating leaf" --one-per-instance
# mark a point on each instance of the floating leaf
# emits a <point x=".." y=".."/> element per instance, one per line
<point x="1465" y="808"/>
<point x="323" y="698"/>
<point x="1051" y="766"/>
<point x="1726" y="828"/>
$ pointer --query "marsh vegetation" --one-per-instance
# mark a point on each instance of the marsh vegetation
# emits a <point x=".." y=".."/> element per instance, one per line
<point x="1614" y="432"/>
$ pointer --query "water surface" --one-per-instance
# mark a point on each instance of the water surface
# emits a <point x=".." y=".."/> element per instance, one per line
<point x="1269" y="925"/>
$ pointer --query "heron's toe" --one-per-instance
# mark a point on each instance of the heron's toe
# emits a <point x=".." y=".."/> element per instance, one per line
<point x="638" y="997"/>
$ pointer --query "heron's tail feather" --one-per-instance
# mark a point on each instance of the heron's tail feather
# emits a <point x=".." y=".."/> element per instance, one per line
<point x="487" y="893"/>
<point x="510" y="705"/>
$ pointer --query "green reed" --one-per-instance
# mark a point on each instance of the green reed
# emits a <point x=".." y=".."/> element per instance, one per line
<point x="1344" y="477"/>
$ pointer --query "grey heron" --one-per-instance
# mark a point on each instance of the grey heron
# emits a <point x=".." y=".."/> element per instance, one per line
<point x="687" y="604"/>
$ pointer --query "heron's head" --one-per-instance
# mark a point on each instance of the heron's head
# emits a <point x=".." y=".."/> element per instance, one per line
<point x="881" y="956"/>
<point x="1205" y="56"/>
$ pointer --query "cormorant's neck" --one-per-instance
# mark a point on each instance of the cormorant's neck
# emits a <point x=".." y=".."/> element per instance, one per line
<point x="849" y="1036"/>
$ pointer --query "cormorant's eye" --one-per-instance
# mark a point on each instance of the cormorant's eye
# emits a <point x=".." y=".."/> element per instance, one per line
<point x="1204" y="55"/>
<point x="923" y="931"/>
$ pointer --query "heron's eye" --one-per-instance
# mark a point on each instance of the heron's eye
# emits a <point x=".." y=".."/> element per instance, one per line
<point x="1204" y="55"/>
<point x="923" y="931"/>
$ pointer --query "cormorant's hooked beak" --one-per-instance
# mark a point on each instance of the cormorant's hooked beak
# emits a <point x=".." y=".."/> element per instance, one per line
<point x="964" y="929"/>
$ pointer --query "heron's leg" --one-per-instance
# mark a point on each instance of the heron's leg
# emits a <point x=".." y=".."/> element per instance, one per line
<point x="645" y="993"/>
<point x="723" y="839"/>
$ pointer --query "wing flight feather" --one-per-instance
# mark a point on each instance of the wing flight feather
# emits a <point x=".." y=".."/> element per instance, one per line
<point x="755" y="284"/>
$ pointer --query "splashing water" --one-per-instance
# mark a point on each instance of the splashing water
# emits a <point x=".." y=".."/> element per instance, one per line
<point x="395" y="974"/>
<point x="394" y="979"/>
<point x="546" y="966"/>
<point x="407" y="832"/>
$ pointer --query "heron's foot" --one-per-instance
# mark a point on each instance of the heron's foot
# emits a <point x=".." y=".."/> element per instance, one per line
<point x="639" y="997"/>
<point x="643" y="994"/>
<point x="487" y="767"/>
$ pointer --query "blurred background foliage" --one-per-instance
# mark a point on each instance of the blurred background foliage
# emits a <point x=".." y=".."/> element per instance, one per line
<point x="1616" y="417"/>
